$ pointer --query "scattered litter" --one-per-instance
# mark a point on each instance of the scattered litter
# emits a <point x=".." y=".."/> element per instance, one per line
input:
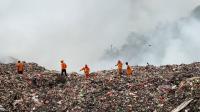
<point x="2" y="109"/>
<point x="149" y="89"/>
<point x="182" y="106"/>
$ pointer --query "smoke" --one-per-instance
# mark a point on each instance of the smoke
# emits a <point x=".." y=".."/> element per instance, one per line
<point x="79" y="31"/>
<point x="50" y="30"/>
<point x="169" y="43"/>
<point x="7" y="59"/>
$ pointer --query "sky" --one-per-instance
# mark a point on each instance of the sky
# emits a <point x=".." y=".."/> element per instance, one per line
<point x="80" y="32"/>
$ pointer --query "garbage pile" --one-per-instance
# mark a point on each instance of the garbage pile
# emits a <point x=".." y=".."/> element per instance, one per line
<point x="151" y="89"/>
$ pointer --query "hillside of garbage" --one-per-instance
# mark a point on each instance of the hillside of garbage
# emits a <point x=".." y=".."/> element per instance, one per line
<point x="169" y="88"/>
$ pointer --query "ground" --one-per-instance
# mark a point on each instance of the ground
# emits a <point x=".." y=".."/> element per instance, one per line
<point x="149" y="89"/>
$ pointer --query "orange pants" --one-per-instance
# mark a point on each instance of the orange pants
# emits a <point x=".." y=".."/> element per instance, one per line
<point x="87" y="76"/>
<point x="120" y="70"/>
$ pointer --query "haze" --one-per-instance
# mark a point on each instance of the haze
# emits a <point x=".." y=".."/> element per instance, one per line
<point x="80" y="31"/>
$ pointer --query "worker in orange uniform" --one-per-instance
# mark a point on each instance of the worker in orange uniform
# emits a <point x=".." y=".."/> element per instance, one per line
<point x="120" y="66"/>
<point x="86" y="70"/>
<point x="129" y="70"/>
<point x="20" y="67"/>
<point x="63" y="68"/>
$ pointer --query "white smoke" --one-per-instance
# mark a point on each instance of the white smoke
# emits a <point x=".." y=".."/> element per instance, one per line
<point x="172" y="42"/>
<point x="7" y="59"/>
<point x="78" y="31"/>
<point x="50" y="30"/>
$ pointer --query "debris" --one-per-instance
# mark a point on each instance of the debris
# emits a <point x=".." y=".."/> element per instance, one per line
<point x="182" y="106"/>
<point x="2" y="109"/>
<point x="151" y="88"/>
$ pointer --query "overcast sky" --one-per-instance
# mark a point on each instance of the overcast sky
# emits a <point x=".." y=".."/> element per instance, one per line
<point x="79" y="31"/>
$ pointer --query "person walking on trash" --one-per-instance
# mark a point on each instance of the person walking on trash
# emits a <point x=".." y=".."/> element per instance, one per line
<point x="86" y="70"/>
<point x="119" y="66"/>
<point x="129" y="70"/>
<point x="20" y="67"/>
<point x="63" y="68"/>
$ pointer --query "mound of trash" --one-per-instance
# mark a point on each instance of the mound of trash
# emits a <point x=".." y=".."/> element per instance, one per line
<point x="170" y="88"/>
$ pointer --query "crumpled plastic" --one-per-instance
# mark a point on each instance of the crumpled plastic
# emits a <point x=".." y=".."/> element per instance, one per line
<point x="150" y="88"/>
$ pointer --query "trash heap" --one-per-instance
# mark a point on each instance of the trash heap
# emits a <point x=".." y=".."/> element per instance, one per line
<point x="151" y="89"/>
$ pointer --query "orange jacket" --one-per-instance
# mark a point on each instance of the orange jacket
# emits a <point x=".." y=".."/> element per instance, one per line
<point x="120" y="65"/>
<point x="129" y="70"/>
<point x="63" y="66"/>
<point x="20" y="66"/>
<point x="86" y="70"/>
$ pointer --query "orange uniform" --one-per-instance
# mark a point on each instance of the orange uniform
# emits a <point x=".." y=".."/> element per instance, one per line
<point x="20" y="67"/>
<point x="86" y="70"/>
<point x="120" y="66"/>
<point x="129" y="70"/>
<point x="63" y="66"/>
